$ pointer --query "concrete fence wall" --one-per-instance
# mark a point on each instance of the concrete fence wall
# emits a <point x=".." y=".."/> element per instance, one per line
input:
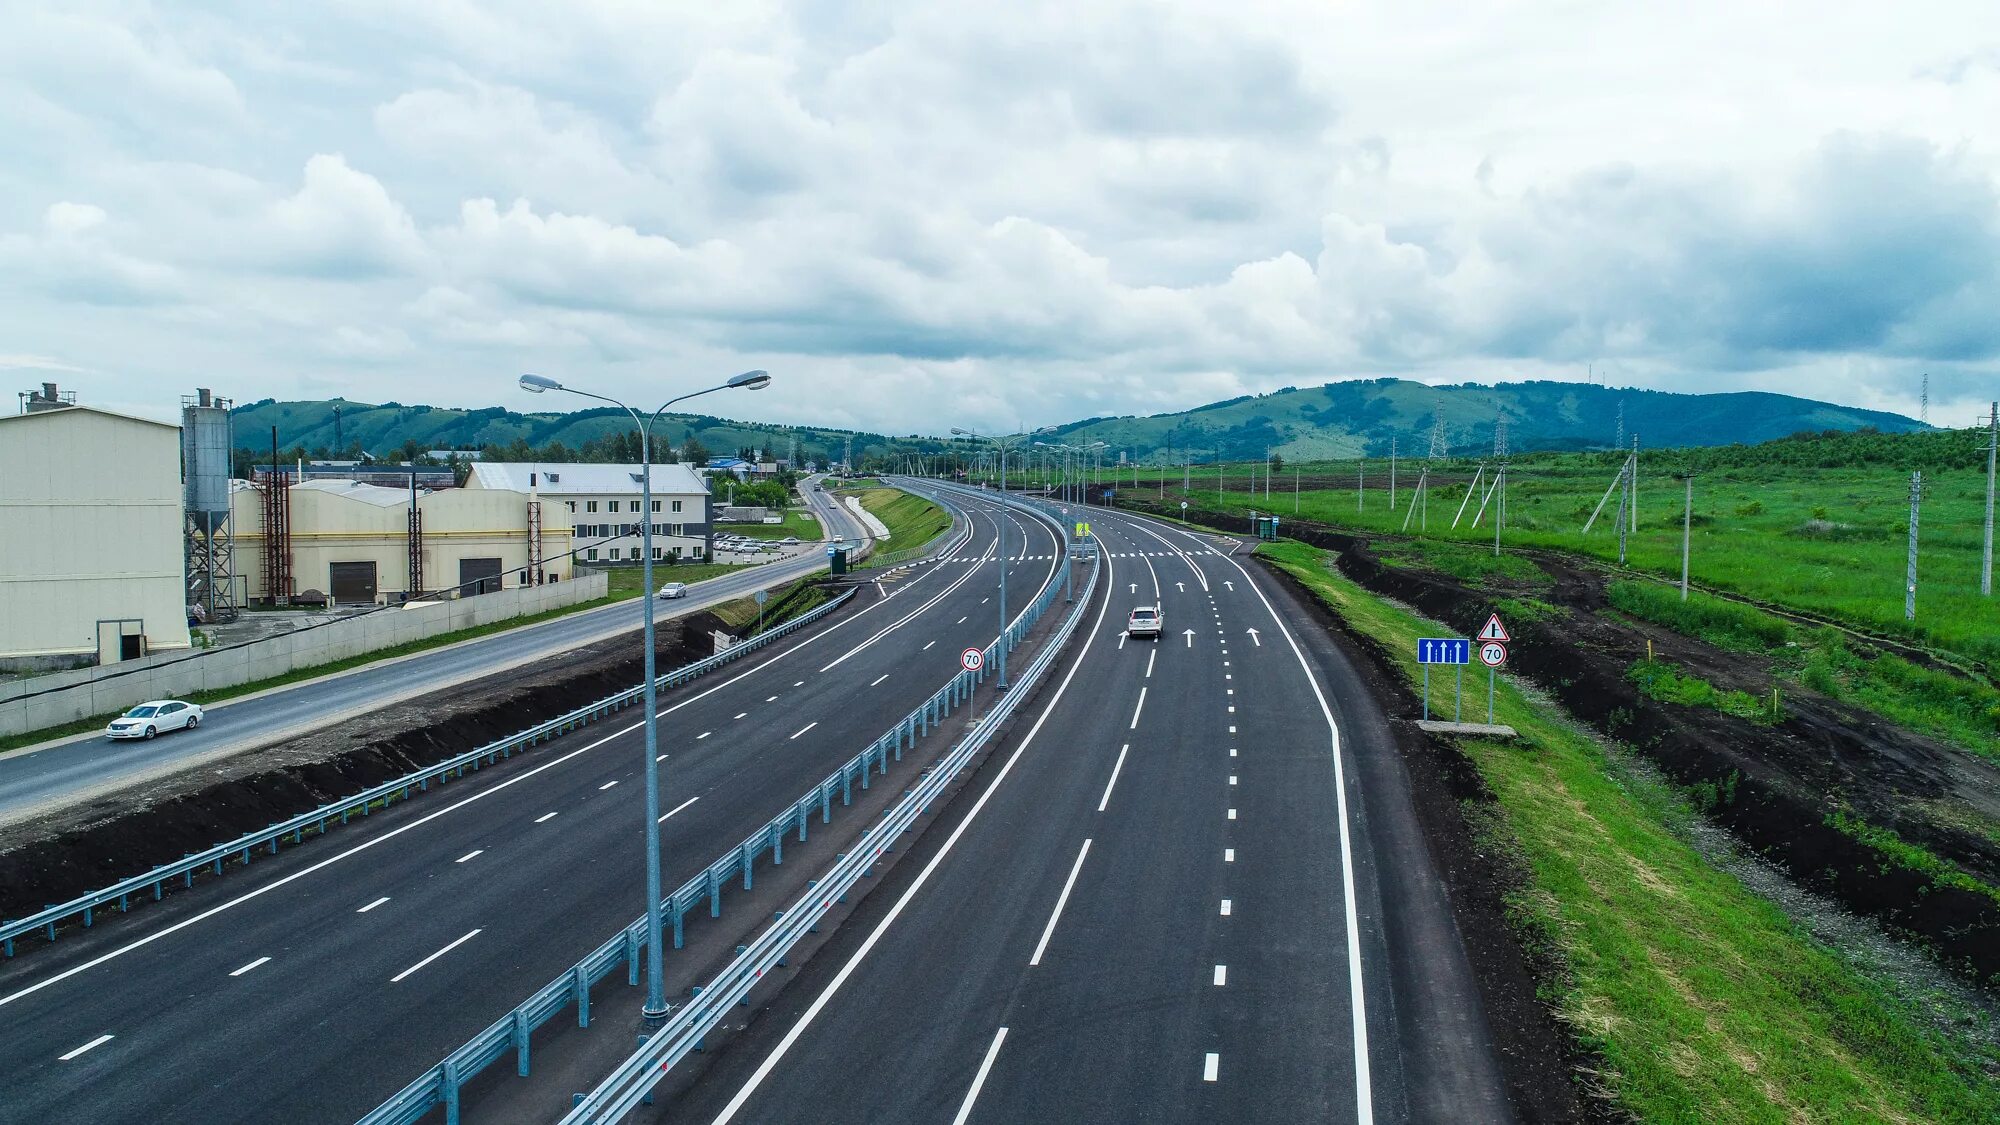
<point x="66" y="697"/>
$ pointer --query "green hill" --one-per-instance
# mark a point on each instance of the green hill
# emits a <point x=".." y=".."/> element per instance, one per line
<point x="1362" y="416"/>
<point x="1337" y="420"/>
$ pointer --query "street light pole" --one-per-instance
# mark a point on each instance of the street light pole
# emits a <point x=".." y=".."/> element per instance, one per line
<point x="1001" y="524"/>
<point x="656" y="995"/>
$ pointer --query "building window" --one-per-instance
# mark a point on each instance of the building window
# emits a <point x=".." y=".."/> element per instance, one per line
<point x="572" y="505"/>
<point x="590" y="505"/>
<point x="590" y="555"/>
<point x="677" y="505"/>
<point x="656" y="505"/>
<point x="635" y="554"/>
<point x="659" y="553"/>
<point x="635" y="506"/>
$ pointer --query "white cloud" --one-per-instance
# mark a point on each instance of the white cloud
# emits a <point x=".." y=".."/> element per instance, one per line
<point x="923" y="216"/>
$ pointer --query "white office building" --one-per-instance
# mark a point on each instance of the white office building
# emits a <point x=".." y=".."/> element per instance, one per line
<point x="603" y="504"/>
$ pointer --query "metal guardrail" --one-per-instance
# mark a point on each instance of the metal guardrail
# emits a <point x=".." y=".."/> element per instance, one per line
<point x="320" y="819"/>
<point x="440" y="1084"/>
<point x="632" y="1082"/>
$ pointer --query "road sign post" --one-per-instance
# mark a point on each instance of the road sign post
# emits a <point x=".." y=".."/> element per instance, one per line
<point x="760" y="597"/>
<point x="1493" y="654"/>
<point x="1442" y="650"/>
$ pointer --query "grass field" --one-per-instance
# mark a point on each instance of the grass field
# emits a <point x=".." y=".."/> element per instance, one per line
<point x="1829" y="541"/>
<point x="797" y="522"/>
<point x="627" y="581"/>
<point x="1706" y="1003"/>
<point x="912" y="520"/>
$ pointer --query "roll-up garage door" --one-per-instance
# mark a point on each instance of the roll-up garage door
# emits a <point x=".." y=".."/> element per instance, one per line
<point x="478" y="576"/>
<point x="353" y="581"/>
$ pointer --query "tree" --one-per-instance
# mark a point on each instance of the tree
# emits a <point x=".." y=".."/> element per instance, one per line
<point x="693" y="451"/>
<point x="1277" y="463"/>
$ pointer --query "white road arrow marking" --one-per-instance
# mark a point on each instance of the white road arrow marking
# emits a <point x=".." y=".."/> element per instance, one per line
<point x="1181" y="586"/>
<point x="1254" y="640"/>
<point x="1190" y="637"/>
<point x="1135" y="587"/>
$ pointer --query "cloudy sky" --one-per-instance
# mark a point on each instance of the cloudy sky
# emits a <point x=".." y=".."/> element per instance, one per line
<point x="927" y="215"/>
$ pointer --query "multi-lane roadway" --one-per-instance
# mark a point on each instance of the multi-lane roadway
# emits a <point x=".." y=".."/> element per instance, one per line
<point x="312" y="985"/>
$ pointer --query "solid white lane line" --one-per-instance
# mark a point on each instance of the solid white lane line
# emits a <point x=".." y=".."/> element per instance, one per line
<point x="1225" y="908"/>
<point x="93" y="1044"/>
<point x="469" y="855"/>
<point x="1115" y="767"/>
<point x="383" y="899"/>
<point x="1141" y="706"/>
<point x="434" y="956"/>
<point x="607" y="785"/>
<point x="545" y="816"/>
<point x="1150" y="657"/>
<point x="979" y="1079"/>
<point x="878" y="679"/>
<point x="1229" y="855"/>
<point x="798" y="1030"/>
<point x="249" y="967"/>
<point x="806" y="728"/>
<point x="1221" y="975"/>
<point x="1056" y="915"/>
<point x="1209" y="1066"/>
<point x="679" y="807"/>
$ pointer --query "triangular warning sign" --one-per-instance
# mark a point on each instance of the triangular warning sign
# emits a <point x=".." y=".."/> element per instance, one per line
<point x="1494" y="631"/>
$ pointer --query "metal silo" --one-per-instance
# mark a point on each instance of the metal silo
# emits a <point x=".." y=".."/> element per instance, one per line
<point x="206" y="452"/>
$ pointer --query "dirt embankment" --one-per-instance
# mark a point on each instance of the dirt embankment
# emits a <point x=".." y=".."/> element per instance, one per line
<point x="1781" y="788"/>
<point x="130" y="832"/>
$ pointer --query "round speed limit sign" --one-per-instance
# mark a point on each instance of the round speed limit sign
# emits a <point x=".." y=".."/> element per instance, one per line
<point x="972" y="660"/>
<point x="1493" y="654"/>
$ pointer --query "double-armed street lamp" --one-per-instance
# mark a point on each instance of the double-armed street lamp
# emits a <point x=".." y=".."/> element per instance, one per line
<point x="656" y="996"/>
<point x="1001" y="523"/>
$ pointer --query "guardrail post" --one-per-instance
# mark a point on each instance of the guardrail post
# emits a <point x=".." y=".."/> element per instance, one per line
<point x="864" y="769"/>
<point x="680" y="913"/>
<point x="632" y="958"/>
<point x="777" y="849"/>
<point x="749" y="853"/>
<point x="579" y="983"/>
<point x="521" y="1042"/>
<point x="825" y="805"/>
<point x="448" y="1072"/>
<point x="846" y="787"/>
<point x="714" y="895"/>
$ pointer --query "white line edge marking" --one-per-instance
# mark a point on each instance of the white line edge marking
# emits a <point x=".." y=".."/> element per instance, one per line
<point x="679" y="807"/>
<point x="434" y="956"/>
<point x="249" y="967"/>
<point x="1210" y="1066"/>
<point x="1363" y="1080"/>
<point x="545" y="816"/>
<point x="1062" y="900"/>
<point x="92" y="1045"/>
<point x="473" y="854"/>
<point x="820" y="1002"/>
<point x="1115" y="767"/>
<point x="979" y="1079"/>
<point x="383" y="899"/>
<point x="805" y="728"/>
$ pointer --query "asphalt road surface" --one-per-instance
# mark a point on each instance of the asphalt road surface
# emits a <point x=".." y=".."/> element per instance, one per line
<point x="87" y="766"/>
<point x="1191" y="889"/>
<point x="313" y="984"/>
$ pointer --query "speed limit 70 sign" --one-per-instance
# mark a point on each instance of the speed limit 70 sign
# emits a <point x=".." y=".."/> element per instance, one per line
<point x="972" y="660"/>
<point x="1492" y="654"/>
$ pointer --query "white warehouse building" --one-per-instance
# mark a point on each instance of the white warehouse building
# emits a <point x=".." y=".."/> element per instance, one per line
<point x="603" y="502"/>
<point x="91" y="564"/>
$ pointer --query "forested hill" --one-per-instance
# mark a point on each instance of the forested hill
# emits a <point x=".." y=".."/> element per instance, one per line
<point x="1311" y="423"/>
<point x="1344" y="419"/>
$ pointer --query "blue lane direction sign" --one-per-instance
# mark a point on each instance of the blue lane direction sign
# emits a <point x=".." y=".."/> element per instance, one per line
<point x="1444" y="650"/>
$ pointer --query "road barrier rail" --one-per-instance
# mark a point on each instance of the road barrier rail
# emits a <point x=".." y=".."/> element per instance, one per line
<point x="513" y="1032"/>
<point x="320" y="819"/>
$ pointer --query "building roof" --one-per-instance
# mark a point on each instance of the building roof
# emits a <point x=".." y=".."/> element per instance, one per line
<point x="58" y="411"/>
<point x="354" y="490"/>
<point x="577" y="479"/>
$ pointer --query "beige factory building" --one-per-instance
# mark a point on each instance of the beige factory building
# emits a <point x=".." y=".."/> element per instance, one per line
<point x="352" y="540"/>
<point x="90" y="536"/>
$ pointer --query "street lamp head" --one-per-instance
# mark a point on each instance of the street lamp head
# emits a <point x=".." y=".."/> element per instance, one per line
<point x="956" y="432"/>
<point x="752" y="380"/>
<point x="539" y="383"/>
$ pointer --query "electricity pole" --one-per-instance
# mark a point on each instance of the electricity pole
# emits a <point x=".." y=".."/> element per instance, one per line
<point x="1392" y="472"/>
<point x="1687" y="530"/>
<point x="1910" y="575"/>
<point x="1992" y="454"/>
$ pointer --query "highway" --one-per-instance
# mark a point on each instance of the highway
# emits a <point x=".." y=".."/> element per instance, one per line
<point x="34" y="781"/>
<point x="1191" y="888"/>
<point x="311" y="985"/>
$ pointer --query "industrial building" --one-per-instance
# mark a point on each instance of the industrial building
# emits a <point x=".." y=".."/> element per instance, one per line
<point x="602" y="503"/>
<point x="363" y="543"/>
<point x="92" y="559"/>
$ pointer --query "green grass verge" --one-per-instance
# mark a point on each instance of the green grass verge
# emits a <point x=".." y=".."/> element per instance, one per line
<point x="1664" y="682"/>
<point x="740" y="613"/>
<point x="912" y="521"/>
<point x="797" y="523"/>
<point x="1704" y="1001"/>
<point x="1466" y="562"/>
<point x="628" y="581"/>
<point x="296" y="675"/>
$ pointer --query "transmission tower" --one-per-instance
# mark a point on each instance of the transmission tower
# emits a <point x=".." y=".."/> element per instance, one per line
<point x="1924" y="402"/>
<point x="847" y="458"/>
<point x="1440" y="448"/>
<point x="1619" y="441"/>
<point x="1500" y="449"/>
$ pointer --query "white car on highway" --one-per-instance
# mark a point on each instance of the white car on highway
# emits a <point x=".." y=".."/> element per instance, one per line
<point x="1145" y="621"/>
<point x="149" y="719"/>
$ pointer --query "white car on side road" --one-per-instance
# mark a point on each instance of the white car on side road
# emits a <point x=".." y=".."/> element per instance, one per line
<point x="674" y="590"/>
<point x="156" y="717"/>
